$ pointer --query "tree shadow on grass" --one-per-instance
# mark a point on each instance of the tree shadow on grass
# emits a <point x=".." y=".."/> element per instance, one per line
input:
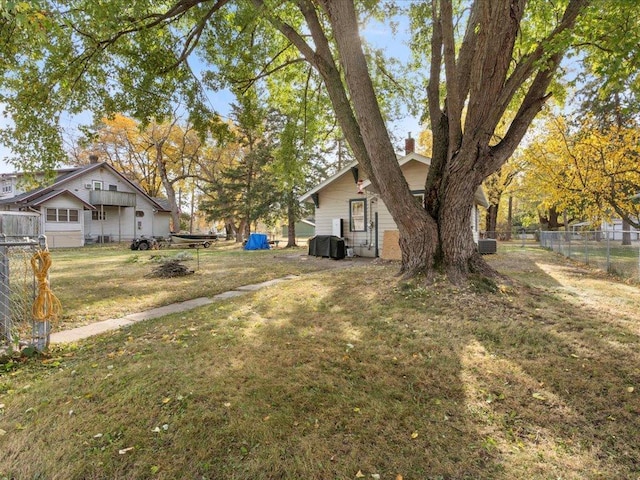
<point x="340" y="373"/>
<point x="561" y="379"/>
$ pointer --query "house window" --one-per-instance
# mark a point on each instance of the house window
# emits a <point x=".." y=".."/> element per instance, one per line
<point x="139" y="213"/>
<point x="62" y="215"/>
<point x="98" y="215"/>
<point x="357" y="215"/>
<point x="97" y="184"/>
<point x="113" y="188"/>
<point x="7" y="188"/>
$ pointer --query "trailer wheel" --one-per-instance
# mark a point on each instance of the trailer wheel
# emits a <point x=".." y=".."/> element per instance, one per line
<point x="143" y="246"/>
<point x="206" y="244"/>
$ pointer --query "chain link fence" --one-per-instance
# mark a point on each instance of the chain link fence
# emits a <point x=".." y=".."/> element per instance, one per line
<point x="520" y="237"/>
<point x="617" y="252"/>
<point x="17" y="294"/>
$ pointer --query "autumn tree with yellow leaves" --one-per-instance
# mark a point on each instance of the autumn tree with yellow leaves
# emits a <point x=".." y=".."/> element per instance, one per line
<point x="586" y="171"/>
<point x="161" y="157"/>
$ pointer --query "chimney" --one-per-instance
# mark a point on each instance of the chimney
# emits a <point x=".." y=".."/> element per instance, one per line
<point x="93" y="159"/>
<point x="409" y="145"/>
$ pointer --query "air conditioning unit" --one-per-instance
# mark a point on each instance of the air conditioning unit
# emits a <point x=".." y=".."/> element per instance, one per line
<point x="487" y="246"/>
<point x="87" y="186"/>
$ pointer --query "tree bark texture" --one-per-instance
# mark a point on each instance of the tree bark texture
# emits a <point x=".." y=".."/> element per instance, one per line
<point x="291" y="221"/>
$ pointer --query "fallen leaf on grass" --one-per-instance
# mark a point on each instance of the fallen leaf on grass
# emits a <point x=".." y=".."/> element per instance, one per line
<point x="359" y="474"/>
<point x="539" y="396"/>
<point x="629" y="389"/>
<point x="122" y="451"/>
<point x="2" y="432"/>
<point x="399" y="477"/>
<point x="166" y="400"/>
<point x="414" y="435"/>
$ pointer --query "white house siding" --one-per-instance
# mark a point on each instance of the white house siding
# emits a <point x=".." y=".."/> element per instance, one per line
<point x="63" y="234"/>
<point x="475" y="223"/>
<point x="334" y="203"/>
<point x="120" y="224"/>
<point x="616" y="231"/>
<point x="117" y="226"/>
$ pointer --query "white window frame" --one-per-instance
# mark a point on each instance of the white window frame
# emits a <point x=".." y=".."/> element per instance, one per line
<point x="62" y="215"/>
<point x="357" y="219"/>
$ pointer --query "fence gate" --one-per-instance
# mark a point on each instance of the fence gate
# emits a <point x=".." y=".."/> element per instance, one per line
<point x="18" y="292"/>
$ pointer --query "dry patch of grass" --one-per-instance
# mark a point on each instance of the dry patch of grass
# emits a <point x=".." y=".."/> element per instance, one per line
<point x="340" y="374"/>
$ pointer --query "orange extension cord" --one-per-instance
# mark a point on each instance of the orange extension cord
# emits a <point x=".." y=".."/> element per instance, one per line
<point x="46" y="306"/>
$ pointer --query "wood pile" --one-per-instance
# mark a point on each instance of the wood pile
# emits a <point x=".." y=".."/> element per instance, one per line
<point x="170" y="269"/>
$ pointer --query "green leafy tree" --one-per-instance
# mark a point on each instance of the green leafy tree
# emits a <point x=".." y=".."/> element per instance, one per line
<point x="244" y="190"/>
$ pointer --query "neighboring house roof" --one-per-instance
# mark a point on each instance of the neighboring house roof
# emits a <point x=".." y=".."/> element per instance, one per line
<point x="55" y="193"/>
<point x="479" y="197"/>
<point x="29" y="198"/>
<point x="163" y="202"/>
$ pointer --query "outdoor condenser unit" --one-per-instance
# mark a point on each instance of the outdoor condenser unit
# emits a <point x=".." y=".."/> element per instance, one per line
<point x="487" y="246"/>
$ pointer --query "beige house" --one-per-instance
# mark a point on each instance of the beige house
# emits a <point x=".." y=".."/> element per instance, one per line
<point x="347" y="206"/>
<point x="90" y="204"/>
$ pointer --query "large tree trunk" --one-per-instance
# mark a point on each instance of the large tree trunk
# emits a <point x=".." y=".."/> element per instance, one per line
<point x="491" y="221"/>
<point x="291" y="222"/>
<point x="459" y="253"/>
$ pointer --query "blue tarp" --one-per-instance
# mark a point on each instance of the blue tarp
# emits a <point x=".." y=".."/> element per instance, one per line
<point x="257" y="241"/>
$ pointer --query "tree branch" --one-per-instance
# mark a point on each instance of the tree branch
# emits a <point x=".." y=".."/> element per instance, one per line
<point x="535" y="97"/>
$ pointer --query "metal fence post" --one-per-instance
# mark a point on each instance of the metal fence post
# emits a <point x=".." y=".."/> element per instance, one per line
<point x="5" y="310"/>
<point x="586" y="250"/>
<point x="608" y="252"/>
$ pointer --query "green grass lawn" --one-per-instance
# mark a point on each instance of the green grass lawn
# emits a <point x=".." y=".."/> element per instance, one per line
<point x="96" y="283"/>
<point x="341" y="374"/>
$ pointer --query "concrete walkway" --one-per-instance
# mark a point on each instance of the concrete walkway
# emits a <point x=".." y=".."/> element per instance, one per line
<point x="76" y="334"/>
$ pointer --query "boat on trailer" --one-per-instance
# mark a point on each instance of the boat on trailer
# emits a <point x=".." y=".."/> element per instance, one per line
<point x="193" y="239"/>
